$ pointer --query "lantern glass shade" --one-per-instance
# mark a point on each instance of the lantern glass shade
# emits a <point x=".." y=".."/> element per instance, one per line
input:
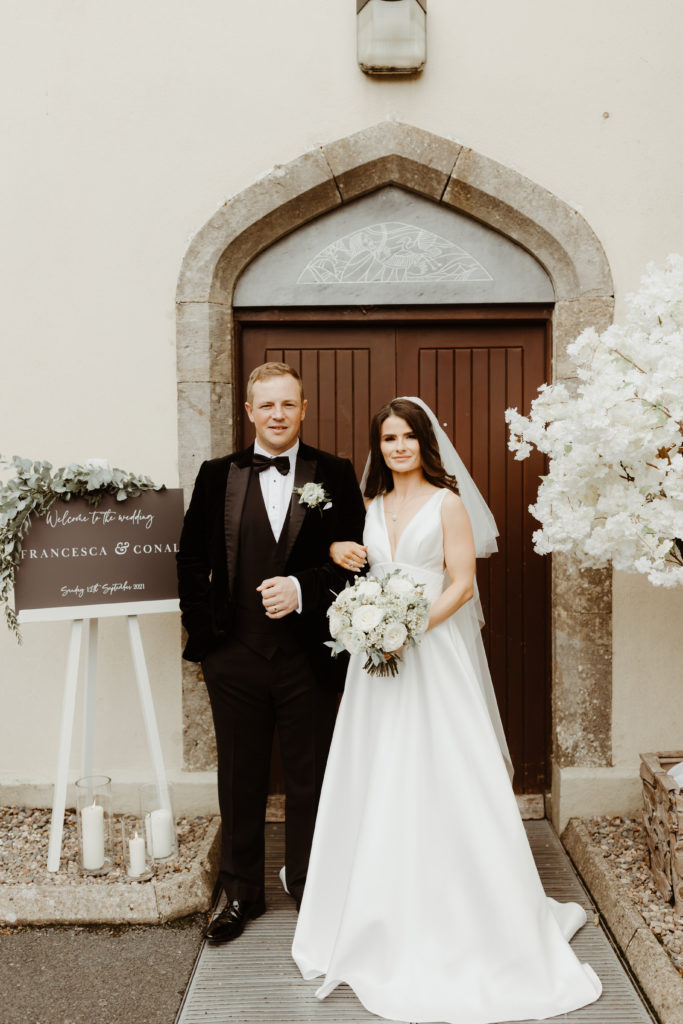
<point x="392" y="36"/>
<point x="156" y="812"/>
<point x="94" y="819"/>
<point x="137" y="859"/>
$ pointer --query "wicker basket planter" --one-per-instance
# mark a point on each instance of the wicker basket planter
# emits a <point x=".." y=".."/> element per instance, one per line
<point x="663" y="819"/>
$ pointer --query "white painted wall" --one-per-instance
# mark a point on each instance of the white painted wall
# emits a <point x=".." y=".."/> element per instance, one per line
<point x="647" y="668"/>
<point x="127" y="124"/>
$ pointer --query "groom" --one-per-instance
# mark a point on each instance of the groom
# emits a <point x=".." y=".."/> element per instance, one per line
<point x="255" y="581"/>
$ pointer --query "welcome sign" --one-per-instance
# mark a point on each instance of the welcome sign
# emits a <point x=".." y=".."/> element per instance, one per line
<point x="82" y="561"/>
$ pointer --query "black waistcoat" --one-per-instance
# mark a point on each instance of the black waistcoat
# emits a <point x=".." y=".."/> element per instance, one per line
<point x="260" y="557"/>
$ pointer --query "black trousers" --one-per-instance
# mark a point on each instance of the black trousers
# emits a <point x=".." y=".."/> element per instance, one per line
<point x="250" y="695"/>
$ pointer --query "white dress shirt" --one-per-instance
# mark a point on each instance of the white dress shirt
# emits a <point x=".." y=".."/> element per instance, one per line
<point x="277" y="495"/>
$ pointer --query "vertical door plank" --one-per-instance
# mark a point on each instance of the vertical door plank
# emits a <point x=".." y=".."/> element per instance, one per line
<point x="426" y="382"/>
<point x="344" y="403"/>
<point x="309" y="374"/>
<point x="292" y="356"/>
<point x="480" y="465"/>
<point x="462" y="398"/>
<point x="327" y="436"/>
<point x="361" y="410"/>
<point x="514" y="583"/>
<point x="407" y="367"/>
<point x="480" y="425"/>
<point x="497" y="504"/>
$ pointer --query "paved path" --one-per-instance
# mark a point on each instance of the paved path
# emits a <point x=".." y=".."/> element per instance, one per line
<point x="97" y="975"/>
<point x="255" y="981"/>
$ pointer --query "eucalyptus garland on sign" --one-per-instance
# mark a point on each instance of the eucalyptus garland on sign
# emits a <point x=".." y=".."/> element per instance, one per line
<point x="33" y="490"/>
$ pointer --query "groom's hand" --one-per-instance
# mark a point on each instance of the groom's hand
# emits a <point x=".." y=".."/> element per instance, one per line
<point x="279" y="596"/>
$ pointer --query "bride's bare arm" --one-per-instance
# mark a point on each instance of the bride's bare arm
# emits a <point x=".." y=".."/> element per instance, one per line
<point x="458" y="546"/>
<point x="348" y="554"/>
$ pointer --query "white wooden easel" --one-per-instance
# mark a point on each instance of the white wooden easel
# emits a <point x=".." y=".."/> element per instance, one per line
<point x="79" y="617"/>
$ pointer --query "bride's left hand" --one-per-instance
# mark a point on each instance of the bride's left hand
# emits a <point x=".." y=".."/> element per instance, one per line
<point x="348" y="554"/>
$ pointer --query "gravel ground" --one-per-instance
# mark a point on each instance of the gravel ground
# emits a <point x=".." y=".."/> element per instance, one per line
<point x="622" y="843"/>
<point x="24" y="835"/>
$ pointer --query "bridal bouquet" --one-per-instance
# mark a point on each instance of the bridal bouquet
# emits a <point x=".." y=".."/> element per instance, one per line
<point x="377" y="617"/>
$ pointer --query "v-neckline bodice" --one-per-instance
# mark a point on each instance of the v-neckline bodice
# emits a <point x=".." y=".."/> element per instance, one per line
<point x="405" y="529"/>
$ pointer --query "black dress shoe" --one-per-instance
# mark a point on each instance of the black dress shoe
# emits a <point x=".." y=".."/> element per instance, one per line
<point x="230" y="922"/>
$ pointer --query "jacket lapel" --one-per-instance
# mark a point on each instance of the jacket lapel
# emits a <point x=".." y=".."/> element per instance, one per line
<point x="304" y="473"/>
<point x="235" y="494"/>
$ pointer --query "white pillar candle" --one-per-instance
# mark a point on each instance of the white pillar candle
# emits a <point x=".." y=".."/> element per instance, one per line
<point x="136" y="856"/>
<point x="92" y="834"/>
<point x="161" y="827"/>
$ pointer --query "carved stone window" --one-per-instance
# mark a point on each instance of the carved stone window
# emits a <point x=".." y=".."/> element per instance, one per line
<point x="392" y="252"/>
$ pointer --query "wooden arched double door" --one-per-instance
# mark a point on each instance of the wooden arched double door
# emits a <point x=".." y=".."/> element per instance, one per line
<point x="469" y="365"/>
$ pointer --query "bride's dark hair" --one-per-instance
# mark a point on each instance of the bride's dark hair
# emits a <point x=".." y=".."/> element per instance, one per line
<point x="380" y="480"/>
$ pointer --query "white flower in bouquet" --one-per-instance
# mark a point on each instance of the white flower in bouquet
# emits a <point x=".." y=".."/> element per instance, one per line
<point x="337" y="622"/>
<point x="614" y="487"/>
<point x="367" y="617"/>
<point x="395" y="635"/>
<point x="399" y="585"/>
<point x="368" y="589"/>
<point x="347" y="599"/>
<point x="353" y="640"/>
<point x="378" y="617"/>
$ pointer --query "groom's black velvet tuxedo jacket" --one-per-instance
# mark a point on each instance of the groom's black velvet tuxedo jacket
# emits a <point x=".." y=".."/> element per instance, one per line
<point x="208" y="557"/>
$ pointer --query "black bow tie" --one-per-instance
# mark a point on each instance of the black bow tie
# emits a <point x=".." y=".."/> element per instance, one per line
<point x="279" y="462"/>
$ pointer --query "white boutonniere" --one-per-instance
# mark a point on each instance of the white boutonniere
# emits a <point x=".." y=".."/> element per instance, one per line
<point x="314" y="496"/>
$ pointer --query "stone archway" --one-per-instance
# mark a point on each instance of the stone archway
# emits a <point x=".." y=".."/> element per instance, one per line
<point x="443" y="171"/>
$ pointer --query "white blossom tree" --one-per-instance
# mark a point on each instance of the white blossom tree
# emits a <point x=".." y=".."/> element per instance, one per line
<point x="614" y="488"/>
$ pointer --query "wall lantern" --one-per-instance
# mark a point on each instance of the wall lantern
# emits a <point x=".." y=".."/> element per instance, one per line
<point x="392" y="36"/>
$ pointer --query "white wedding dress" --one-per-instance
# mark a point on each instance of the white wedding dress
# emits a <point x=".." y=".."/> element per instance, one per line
<point x="422" y="893"/>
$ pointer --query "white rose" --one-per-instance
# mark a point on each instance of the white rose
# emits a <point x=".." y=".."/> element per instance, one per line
<point x="369" y="588"/>
<point x="366" y="617"/>
<point x="347" y="598"/>
<point x="353" y="640"/>
<point x="399" y="585"/>
<point x="394" y="636"/>
<point x="336" y="622"/>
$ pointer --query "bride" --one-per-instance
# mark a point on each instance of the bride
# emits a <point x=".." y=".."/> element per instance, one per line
<point x="422" y="893"/>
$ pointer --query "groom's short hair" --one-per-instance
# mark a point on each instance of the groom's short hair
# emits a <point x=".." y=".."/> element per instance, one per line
<point x="266" y="370"/>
